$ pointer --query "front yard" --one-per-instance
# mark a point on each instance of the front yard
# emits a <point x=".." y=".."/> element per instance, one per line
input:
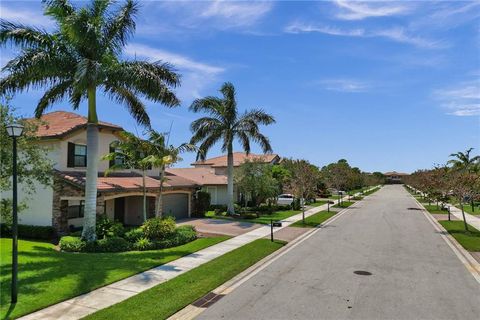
<point x="314" y="220"/>
<point x="262" y="219"/>
<point x="47" y="276"/>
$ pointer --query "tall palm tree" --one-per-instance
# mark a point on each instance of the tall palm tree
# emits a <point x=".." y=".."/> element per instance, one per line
<point x="224" y="124"/>
<point x="161" y="156"/>
<point x="82" y="56"/>
<point x="463" y="161"/>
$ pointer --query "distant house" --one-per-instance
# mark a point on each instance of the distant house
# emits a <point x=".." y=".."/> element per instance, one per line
<point x="119" y="194"/>
<point x="211" y="173"/>
<point x="394" y="177"/>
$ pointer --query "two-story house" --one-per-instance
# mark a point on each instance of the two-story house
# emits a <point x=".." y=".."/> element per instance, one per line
<point x="119" y="193"/>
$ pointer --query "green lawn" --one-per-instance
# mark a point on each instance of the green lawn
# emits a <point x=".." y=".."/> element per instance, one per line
<point x="314" y="220"/>
<point x="467" y="208"/>
<point x="334" y="196"/>
<point x="371" y="191"/>
<point x="344" y="204"/>
<point x="47" y="276"/>
<point x="263" y="219"/>
<point x="469" y="240"/>
<point x="317" y="203"/>
<point x="167" y="298"/>
<point x="432" y="208"/>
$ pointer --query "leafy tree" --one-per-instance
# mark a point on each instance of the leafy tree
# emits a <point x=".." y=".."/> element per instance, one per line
<point x="82" y="56"/>
<point x="255" y="180"/>
<point x="225" y="125"/>
<point x="29" y="152"/>
<point x="464" y="162"/>
<point x="304" y="180"/>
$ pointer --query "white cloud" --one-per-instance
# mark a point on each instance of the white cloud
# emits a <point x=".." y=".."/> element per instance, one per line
<point x="196" y="76"/>
<point x="24" y="16"/>
<point x="179" y="61"/>
<point x="344" y="85"/>
<point x="461" y="100"/>
<point x="358" y="10"/>
<point x="395" y="34"/>
<point x="237" y="13"/>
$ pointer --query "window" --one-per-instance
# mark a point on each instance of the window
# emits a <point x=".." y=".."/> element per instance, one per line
<point x="75" y="209"/>
<point x="80" y="155"/>
<point x="118" y="158"/>
<point x="77" y="155"/>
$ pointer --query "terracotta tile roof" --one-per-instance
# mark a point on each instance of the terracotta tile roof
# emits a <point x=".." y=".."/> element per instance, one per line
<point x="395" y="173"/>
<point x="124" y="181"/>
<point x="60" y="123"/>
<point x="201" y="176"/>
<point x="238" y="159"/>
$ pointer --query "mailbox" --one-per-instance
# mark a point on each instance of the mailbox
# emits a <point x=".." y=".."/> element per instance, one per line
<point x="277" y="224"/>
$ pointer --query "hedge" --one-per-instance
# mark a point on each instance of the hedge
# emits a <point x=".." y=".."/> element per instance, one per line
<point x="29" y="232"/>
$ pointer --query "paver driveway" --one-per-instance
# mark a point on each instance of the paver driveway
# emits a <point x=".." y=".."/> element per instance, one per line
<point x="220" y="226"/>
<point x="415" y="275"/>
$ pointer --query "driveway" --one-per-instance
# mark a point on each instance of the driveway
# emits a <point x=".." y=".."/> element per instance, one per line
<point x="219" y="226"/>
<point x="378" y="261"/>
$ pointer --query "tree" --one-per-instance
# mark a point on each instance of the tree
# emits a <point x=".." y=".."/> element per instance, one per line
<point x="80" y="57"/>
<point x="161" y="156"/>
<point x="131" y="152"/>
<point x="29" y="152"/>
<point x="225" y="125"/>
<point x="464" y="162"/>
<point x="304" y="180"/>
<point x="255" y="180"/>
<point x="465" y="185"/>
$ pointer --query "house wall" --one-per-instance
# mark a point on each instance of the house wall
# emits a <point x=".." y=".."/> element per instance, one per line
<point x="219" y="195"/>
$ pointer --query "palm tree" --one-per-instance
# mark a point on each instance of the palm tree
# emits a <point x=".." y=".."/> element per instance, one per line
<point x="81" y="56"/>
<point x="465" y="163"/>
<point x="133" y="153"/>
<point x="161" y="156"/>
<point x="225" y="124"/>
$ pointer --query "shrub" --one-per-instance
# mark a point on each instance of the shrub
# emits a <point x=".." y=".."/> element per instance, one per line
<point x="72" y="244"/>
<point x="296" y="204"/>
<point x="30" y="232"/>
<point x="143" y="244"/>
<point x="250" y="215"/>
<point x="185" y="234"/>
<point x="134" y="235"/>
<point x="219" y="207"/>
<point x="111" y="244"/>
<point x="202" y="203"/>
<point x="159" y="228"/>
<point x="109" y="228"/>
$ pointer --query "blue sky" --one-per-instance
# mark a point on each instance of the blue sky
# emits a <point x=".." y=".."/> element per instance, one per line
<point x="386" y="85"/>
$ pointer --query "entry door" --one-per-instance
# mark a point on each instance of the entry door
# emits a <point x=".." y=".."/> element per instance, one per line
<point x="119" y="210"/>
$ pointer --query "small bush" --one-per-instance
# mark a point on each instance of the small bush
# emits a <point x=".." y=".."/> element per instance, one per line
<point x="159" y="228"/>
<point x="250" y="215"/>
<point x="143" y="244"/>
<point x="108" y="228"/>
<point x="111" y="244"/>
<point x="134" y="235"/>
<point x="72" y="244"/>
<point x="219" y="207"/>
<point x="185" y="234"/>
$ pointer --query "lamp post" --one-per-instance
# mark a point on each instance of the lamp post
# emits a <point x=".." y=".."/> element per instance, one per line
<point x="14" y="131"/>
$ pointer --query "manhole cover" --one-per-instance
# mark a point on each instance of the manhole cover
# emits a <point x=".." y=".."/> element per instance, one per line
<point x="362" y="273"/>
<point x="414" y="209"/>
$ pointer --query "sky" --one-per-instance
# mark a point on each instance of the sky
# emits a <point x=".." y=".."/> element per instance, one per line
<point x="386" y="85"/>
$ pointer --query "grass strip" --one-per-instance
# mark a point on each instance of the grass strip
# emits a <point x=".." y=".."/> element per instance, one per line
<point x="314" y="220"/>
<point x="47" y="276"/>
<point x="470" y="240"/>
<point x="167" y="298"/>
<point x="432" y="208"/>
<point x="263" y="219"/>
<point x="344" y="204"/>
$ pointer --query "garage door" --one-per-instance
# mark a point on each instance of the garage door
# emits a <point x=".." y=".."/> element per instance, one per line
<point x="176" y="205"/>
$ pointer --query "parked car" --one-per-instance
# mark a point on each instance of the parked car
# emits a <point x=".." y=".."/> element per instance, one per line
<point x="285" y="199"/>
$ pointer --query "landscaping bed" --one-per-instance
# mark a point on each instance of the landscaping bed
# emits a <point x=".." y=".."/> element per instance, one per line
<point x="314" y="220"/>
<point x="163" y="300"/>
<point x="47" y="276"/>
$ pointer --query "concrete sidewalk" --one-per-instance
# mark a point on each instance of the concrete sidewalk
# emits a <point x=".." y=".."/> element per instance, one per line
<point x="116" y="292"/>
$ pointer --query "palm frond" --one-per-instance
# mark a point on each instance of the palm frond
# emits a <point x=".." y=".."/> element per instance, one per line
<point x="133" y="104"/>
<point x="258" y="116"/>
<point x="24" y="36"/>
<point x="53" y="95"/>
<point x="210" y="105"/>
<point x="122" y="25"/>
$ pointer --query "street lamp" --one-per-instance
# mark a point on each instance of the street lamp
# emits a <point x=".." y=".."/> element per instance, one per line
<point x="14" y="130"/>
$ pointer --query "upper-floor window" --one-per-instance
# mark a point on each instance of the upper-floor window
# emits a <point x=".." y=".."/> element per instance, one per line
<point x="118" y="156"/>
<point x="77" y="155"/>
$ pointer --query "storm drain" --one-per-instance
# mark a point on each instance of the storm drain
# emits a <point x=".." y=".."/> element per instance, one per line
<point x="207" y="300"/>
<point x="362" y="273"/>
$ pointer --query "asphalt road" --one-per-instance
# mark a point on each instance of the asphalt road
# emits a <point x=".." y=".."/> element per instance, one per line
<point x="415" y="275"/>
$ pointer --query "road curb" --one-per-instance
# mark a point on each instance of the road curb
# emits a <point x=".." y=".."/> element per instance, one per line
<point x="472" y="265"/>
<point x="191" y="311"/>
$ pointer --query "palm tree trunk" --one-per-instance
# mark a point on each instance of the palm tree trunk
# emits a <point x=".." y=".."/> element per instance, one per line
<point x="144" y="197"/>
<point x="159" y="199"/>
<point x="230" y="209"/>
<point x="90" y="215"/>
